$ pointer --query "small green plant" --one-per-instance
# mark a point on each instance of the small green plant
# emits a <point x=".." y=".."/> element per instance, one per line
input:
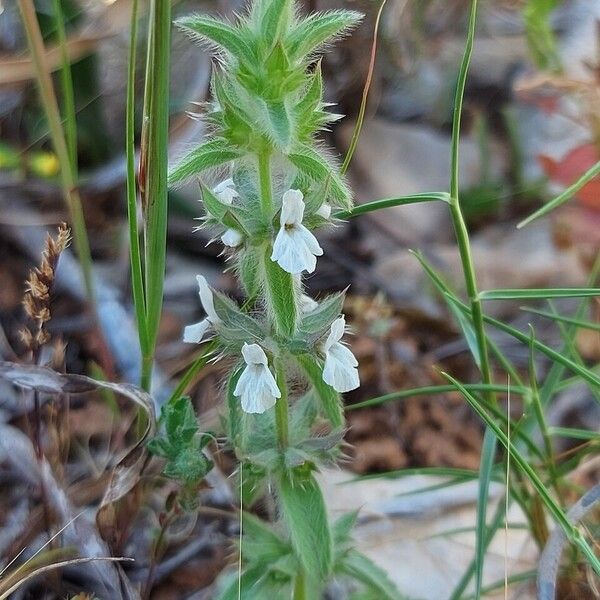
<point x="289" y="364"/>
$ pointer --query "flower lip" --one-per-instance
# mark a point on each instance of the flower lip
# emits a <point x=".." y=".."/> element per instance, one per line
<point x="254" y="355"/>
<point x="206" y="298"/>
<point x="324" y="210"/>
<point x="339" y="370"/>
<point x="225" y="191"/>
<point x="256" y="386"/>
<point x="232" y="238"/>
<point x="295" y="248"/>
<point x="193" y="334"/>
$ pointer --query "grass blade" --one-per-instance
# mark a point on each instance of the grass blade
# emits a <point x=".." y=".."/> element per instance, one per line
<point x="572" y="533"/>
<point x="562" y="319"/>
<point x="68" y="99"/>
<point x="368" y="207"/>
<point x="592" y="172"/>
<point x="67" y="177"/>
<point x="153" y="171"/>
<point x="135" y="258"/>
<point x="538" y="294"/>
<point x="365" y="95"/>
<point x="486" y="467"/>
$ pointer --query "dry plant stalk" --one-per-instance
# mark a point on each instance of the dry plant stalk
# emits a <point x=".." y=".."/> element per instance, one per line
<point x="36" y="300"/>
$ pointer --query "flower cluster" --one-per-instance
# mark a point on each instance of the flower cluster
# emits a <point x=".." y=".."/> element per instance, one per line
<point x="266" y="186"/>
<point x="279" y="187"/>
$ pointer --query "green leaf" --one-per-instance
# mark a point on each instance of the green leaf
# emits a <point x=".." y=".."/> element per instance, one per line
<point x="590" y="174"/>
<point x="218" y="32"/>
<point x="212" y="204"/>
<point x="486" y="469"/>
<point x="280" y="130"/>
<point x="275" y="20"/>
<point x="320" y="319"/>
<point x="236" y="326"/>
<point x="256" y="583"/>
<point x="523" y="465"/>
<point x="260" y="544"/>
<point x="312" y="97"/>
<point x="248" y="264"/>
<point x="303" y="510"/>
<point x="280" y="290"/>
<point x="180" y="419"/>
<point x="209" y="155"/>
<point x="375" y="205"/>
<point x="536" y="294"/>
<point x="342" y="528"/>
<point x="562" y="319"/>
<point x="364" y="570"/>
<point x="330" y="400"/>
<point x="464" y="322"/>
<point x="319" y="28"/>
<point x="316" y="167"/>
<point x="437" y="389"/>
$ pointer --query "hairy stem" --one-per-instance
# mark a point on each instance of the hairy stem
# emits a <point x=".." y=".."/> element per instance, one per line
<point x="281" y="408"/>
<point x="264" y="177"/>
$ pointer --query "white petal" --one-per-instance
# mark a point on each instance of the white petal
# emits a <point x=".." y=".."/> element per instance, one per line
<point x="324" y="210"/>
<point x="193" y="334"/>
<point x="225" y="191"/>
<point x="292" y="208"/>
<point x="336" y="333"/>
<point x="206" y="297"/>
<point x="295" y="249"/>
<point x="307" y="304"/>
<point x="309" y="239"/>
<point x="254" y="355"/>
<point x="256" y="386"/>
<point x="340" y="370"/>
<point x="232" y="238"/>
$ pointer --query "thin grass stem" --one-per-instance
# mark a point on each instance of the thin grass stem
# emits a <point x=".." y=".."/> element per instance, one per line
<point x="67" y="176"/>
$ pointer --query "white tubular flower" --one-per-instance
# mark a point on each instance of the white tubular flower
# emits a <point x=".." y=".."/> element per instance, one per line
<point x="225" y="191"/>
<point x="193" y="334"/>
<point x="307" y="304"/>
<point x="232" y="238"/>
<point x="295" y="248"/>
<point x="324" y="210"/>
<point x="256" y="386"/>
<point x="340" y="370"/>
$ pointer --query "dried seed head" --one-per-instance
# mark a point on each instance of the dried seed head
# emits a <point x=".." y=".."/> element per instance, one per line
<point x="36" y="301"/>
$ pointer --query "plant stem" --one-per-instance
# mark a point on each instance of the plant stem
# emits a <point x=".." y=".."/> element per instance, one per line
<point x="137" y="278"/>
<point x="458" y="221"/>
<point x="264" y="177"/>
<point x="66" y="88"/>
<point x="281" y="408"/>
<point x="462" y="238"/>
<point x="67" y="176"/>
<point x="300" y="587"/>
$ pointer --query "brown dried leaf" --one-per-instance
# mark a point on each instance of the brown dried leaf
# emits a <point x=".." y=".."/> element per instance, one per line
<point x="127" y="470"/>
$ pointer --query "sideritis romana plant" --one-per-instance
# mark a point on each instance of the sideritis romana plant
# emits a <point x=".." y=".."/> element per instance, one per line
<point x="267" y="184"/>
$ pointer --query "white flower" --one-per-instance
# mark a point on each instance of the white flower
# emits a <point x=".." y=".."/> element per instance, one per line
<point x="256" y="386"/>
<point x="232" y="238"/>
<point x="324" y="210"/>
<point x="193" y="334"/>
<point x="340" y="370"/>
<point x="225" y="191"/>
<point x="295" y="248"/>
<point x="307" y="304"/>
